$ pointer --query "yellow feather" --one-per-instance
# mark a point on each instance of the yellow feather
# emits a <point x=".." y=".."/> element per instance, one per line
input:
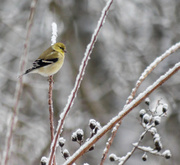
<point x="51" y="60"/>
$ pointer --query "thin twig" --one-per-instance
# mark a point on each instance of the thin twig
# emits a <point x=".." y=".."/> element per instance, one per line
<point x="150" y="68"/>
<point x="126" y="110"/>
<point x="108" y="144"/>
<point x="78" y="80"/>
<point x="51" y="111"/>
<point x="135" y="146"/>
<point x="149" y="150"/>
<point x="18" y="87"/>
<point x="51" y="82"/>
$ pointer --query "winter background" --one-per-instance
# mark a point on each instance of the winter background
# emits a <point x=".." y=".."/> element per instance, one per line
<point x="134" y="34"/>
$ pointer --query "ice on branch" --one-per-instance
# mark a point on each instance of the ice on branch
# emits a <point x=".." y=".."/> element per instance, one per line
<point x="61" y="141"/>
<point x="54" y="33"/>
<point x="43" y="160"/>
<point x="78" y="79"/>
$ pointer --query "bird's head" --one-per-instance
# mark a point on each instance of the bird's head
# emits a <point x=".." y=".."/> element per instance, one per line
<point x="59" y="47"/>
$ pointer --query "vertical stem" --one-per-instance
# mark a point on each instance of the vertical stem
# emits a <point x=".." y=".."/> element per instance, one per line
<point x="108" y="144"/>
<point x="19" y="88"/>
<point x="51" y="110"/>
<point x="79" y="79"/>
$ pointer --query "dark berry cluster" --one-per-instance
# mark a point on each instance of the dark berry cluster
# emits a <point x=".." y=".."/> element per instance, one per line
<point x="150" y="119"/>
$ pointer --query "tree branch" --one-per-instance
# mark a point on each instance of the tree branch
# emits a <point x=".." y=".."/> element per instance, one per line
<point x="19" y="87"/>
<point x="128" y="108"/>
<point x="51" y="111"/>
<point x="146" y="72"/>
<point x="78" y="80"/>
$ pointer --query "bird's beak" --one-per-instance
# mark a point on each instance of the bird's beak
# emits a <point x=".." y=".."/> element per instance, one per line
<point x="65" y="51"/>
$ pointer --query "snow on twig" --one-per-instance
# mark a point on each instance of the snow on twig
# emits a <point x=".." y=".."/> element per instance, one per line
<point x="54" y="33"/>
<point x="146" y="72"/>
<point x="51" y="82"/>
<point x="109" y="142"/>
<point x="129" y="154"/>
<point x="150" y="68"/>
<point x="79" y="78"/>
<point x="122" y="114"/>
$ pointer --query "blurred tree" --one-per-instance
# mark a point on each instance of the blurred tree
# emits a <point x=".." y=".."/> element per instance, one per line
<point x="134" y="34"/>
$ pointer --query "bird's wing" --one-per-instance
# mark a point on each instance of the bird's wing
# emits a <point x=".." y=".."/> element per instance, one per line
<point x="41" y="62"/>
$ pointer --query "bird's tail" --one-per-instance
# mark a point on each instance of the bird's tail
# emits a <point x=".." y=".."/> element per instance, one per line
<point x="26" y="72"/>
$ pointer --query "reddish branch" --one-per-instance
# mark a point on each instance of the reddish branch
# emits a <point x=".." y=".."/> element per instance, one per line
<point x="122" y="114"/>
<point x="50" y="102"/>
<point x="150" y="68"/>
<point x="51" y="111"/>
<point x="108" y="144"/>
<point x="19" y="85"/>
<point x="146" y="72"/>
<point x="78" y="81"/>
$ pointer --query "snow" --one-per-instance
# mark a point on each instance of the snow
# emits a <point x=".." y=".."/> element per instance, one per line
<point x="92" y="122"/>
<point x="81" y="72"/>
<point x="153" y="130"/>
<point x="122" y="113"/>
<point x="54" y="33"/>
<point x="157" y="136"/>
<point x="153" y="65"/>
<point x="147" y="118"/>
<point x="128" y="107"/>
<point x="113" y="156"/>
<point x="44" y="159"/>
<point x="33" y="3"/>
<point x="147" y="100"/>
<point x="165" y="107"/>
<point x="157" y="119"/>
<point x="115" y="128"/>
<point x="62" y="140"/>
<point x="167" y="153"/>
<point x="79" y="131"/>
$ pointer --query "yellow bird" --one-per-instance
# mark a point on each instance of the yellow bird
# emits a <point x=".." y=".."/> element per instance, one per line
<point x="50" y="61"/>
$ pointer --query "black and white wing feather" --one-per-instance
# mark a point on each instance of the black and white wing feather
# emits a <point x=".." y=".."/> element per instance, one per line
<point x="41" y="63"/>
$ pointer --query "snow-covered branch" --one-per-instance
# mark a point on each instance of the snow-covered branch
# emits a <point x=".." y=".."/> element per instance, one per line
<point x="79" y="78"/>
<point x="150" y="68"/>
<point x="128" y="108"/>
<point x="51" y="81"/>
<point x="143" y="76"/>
<point x="19" y="86"/>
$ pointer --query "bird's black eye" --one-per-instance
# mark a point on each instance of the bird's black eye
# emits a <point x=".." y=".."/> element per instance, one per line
<point x="61" y="48"/>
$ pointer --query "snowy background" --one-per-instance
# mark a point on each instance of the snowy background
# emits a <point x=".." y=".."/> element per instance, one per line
<point x="134" y="34"/>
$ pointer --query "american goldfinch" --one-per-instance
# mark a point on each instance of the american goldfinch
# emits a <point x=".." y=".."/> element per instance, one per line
<point x="50" y="61"/>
